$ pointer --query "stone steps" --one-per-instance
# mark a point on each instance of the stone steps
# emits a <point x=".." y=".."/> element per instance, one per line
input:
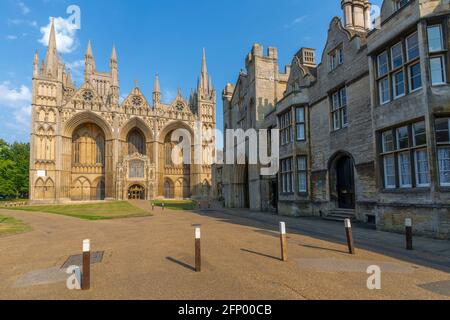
<point x="340" y="215"/>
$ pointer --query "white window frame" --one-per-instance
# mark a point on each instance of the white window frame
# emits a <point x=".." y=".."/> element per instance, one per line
<point x="300" y="124"/>
<point x="408" y="58"/>
<point x="394" y="84"/>
<point x="400" y="175"/>
<point x="379" y="74"/>
<point x="380" y="91"/>
<point x="418" y="184"/>
<point x="401" y="55"/>
<point x="441" y="37"/>
<point x="442" y="184"/>
<point x="386" y="185"/>
<point x="409" y="77"/>
<point x="444" y="76"/>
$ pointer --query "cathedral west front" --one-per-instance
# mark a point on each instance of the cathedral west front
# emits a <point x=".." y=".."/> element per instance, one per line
<point x="87" y="145"/>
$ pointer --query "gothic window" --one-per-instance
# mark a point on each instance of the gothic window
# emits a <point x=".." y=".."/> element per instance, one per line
<point x="136" y="142"/>
<point x="88" y="96"/>
<point x="136" y="101"/>
<point x="168" y="152"/>
<point x="88" y="145"/>
<point x="100" y="149"/>
<point x="136" y="169"/>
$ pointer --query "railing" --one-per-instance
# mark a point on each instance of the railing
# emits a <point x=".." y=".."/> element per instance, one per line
<point x="13" y="204"/>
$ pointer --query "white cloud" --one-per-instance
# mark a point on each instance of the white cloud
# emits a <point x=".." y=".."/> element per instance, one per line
<point x="24" y="8"/>
<point x="295" y="21"/>
<point x="17" y="103"/>
<point x="16" y="22"/>
<point x="10" y="97"/>
<point x="66" y="40"/>
<point x="11" y="37"/>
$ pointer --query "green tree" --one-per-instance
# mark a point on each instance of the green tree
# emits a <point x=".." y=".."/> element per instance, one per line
<point x="14" y="169"/>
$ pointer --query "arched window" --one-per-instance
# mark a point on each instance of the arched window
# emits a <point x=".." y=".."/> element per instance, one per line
<point x="100" y="149"/>
<point x="88" y="145"/>
<point x="136" y="169"/>
<point x="136" y="142"/>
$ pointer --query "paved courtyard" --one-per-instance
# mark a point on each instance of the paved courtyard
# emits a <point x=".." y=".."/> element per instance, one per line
<point x="153" y="258"/>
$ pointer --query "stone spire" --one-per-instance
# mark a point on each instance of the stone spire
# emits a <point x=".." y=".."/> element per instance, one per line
<point x="36" y="64"/>
<point x="51" y="61"/>
<point x="156" y="91"/>
<point x="113" y="54"/>
<point x="89" y="61"/>
<point x="114" y="70"/>
<point x="204" y="81"/>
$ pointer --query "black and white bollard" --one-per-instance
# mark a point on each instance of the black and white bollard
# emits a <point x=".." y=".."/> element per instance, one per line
<point x="162" y="206"/>
<point x="349" y="234"/>
<point x="408" y="232"/>
<point x="86" y="278"/>
<point x="198" y="255"/>
<point x="153" y="206"/>
<point x="283" y="241"/>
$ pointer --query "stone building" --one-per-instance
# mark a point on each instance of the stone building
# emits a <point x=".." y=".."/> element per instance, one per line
<point x="88" y="145"/>
<point x="364" y="134"/>
<point x="246" y="105"/>
<point x="410" y="94"/>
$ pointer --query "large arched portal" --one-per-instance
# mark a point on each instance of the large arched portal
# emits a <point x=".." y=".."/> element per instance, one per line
<point x="175" y="167"/>
<point x="88" y="163"/>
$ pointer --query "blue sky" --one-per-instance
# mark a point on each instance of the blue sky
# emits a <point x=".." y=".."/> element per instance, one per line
<point x="164" y="37"/>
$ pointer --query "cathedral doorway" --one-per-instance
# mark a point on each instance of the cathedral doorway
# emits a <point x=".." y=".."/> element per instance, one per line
<point x="136" y="192"/>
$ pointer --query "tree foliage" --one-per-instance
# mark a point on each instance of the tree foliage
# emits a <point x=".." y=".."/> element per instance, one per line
<point x="14" y="168"/>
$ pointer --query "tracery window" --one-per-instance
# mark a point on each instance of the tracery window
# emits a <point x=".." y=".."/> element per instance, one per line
<point x="88" y="145"/>
<point x="136" y="142"/>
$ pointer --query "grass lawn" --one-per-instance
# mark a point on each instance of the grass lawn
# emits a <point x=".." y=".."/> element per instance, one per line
<point x="95" y="211"/>
<point x="10" y="226"/>
<point x="176" y="204"/>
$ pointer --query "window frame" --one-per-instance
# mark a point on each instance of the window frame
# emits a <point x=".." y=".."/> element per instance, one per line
<point x="339" y="108"/>
<point x="411" y="90"/>
<point x="396" y="152"/>
<point x="300" y="123"/>
<point x="442" y="145"/>
<point x="287" y="175"/>
<point x="285" y="120"/>
<point x="300" y="172"/>
<point x="442" y="48"/>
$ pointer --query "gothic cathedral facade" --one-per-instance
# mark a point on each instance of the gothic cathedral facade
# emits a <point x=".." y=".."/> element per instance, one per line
<point x="87" y="145"/>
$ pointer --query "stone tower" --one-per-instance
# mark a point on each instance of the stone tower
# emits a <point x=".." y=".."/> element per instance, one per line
<point x="356" y="14"/>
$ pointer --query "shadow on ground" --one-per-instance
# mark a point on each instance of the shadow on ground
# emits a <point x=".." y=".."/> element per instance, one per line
<point x="385" y="243"/>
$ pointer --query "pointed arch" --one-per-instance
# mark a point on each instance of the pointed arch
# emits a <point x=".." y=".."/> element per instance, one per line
<point x="133" y="123"/>
<point x="39" y="189"/>
<point x="168" y="189"/>
<point x="86" y="117"/>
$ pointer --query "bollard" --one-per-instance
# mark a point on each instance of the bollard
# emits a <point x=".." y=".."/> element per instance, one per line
<point x="153" y="206"/>
<point x="348" y="232"/>
<point x="408" y="232"/>
<point x="162" y="205"/>
<point x="283" y="241"/>
<point x="198" y="257"/>
<point x="86" y="279"/>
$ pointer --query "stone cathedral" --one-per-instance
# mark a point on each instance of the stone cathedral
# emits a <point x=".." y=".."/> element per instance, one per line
<point x="88" y="145"/>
